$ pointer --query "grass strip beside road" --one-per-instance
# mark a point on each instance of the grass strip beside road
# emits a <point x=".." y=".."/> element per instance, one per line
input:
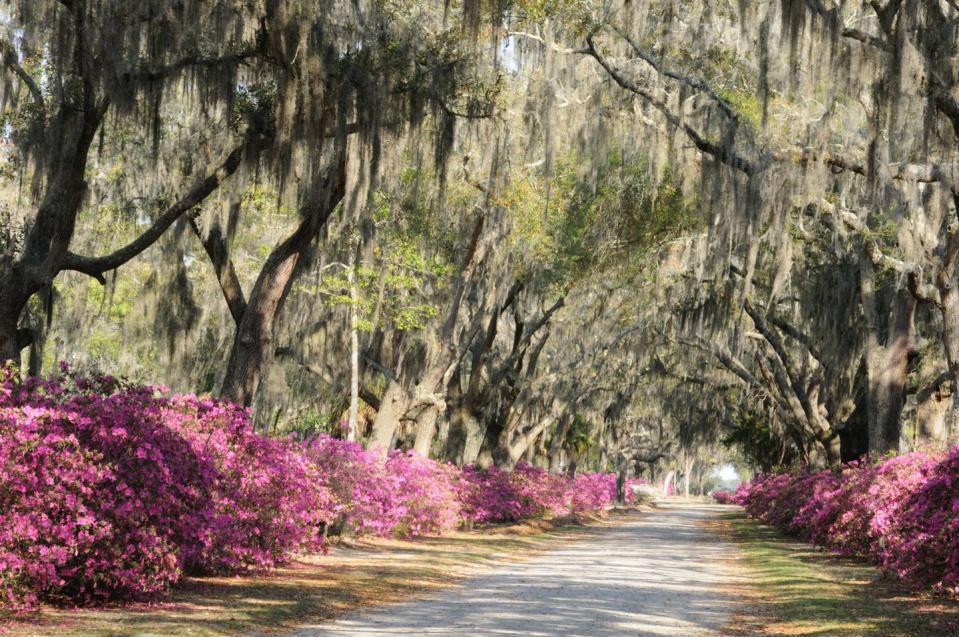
<point x="793" y="588"/>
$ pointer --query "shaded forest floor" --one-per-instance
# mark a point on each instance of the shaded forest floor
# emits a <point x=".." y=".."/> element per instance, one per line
<point x="792" y="588"/>
<point x="354" y="575"/>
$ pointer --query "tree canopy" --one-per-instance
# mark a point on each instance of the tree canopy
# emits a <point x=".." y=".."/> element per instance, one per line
<point x="632" y="235"/>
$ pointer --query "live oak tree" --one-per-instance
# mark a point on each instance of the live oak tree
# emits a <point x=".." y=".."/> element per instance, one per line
<point x="798" y="114"/>
<point x="291" y="82"/>
<point x="577" y="233"/>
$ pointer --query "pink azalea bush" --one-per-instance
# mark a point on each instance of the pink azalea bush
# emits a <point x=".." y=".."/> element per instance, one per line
<point x="427" y="492"/>
<point x="901" y="513"/>
<point x="361" y="487"/>
<point x="406" y="495"/>
<point x="592" y="491"/>
<point x="112" y="491"/>
<point x="635" y="488"/>
<point x="724" y="496"/>
<point x="494" y="495"/>
<point x="109" y="490"/>
<point x="497" y="495"/>
<point x="923" y="537"/>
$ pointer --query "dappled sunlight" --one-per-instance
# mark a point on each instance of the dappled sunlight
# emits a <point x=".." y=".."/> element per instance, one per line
<point x="658" y="575"/>
<point x="363" y="572"/>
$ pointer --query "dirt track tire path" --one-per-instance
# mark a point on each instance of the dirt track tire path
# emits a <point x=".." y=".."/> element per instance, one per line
<point x="660" y="574"/>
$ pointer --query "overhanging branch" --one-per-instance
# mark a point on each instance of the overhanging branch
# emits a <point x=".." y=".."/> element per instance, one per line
<point x="97" y="266"/>
<point x="722" y="152"/>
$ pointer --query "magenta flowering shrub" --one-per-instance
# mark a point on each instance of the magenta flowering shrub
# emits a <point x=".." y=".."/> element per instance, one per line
<point x="109" y="490"/>
<point x="540" y="492"/>
<point x="365" y="494"/>
<point x="870" y="504"/>
<point x="816" y="505"/>
<point x="59" y="534"/>
<point x="266" y="500"/>
<point x="724" y="496"/>
<point x="921" y="541"/>
<point x="496" y="495"/>
<point x="592" y="491"/>
<point x="488" y="495"/>
<point x="405" y="495"/>
<point x="112" y="491"/>
<point x="427" y="492"/>
<point x="901" y="513"/>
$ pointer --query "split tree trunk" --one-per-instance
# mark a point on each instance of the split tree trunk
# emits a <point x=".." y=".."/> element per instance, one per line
<point x="387" y="421"/>
<point x="253" y="344"/>
<point x="558" y="443"/>
<point x="426" y="430"/>
<point x="947" y="283"/>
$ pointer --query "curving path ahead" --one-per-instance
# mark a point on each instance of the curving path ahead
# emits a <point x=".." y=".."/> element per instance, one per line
<point x="661" y="574"/>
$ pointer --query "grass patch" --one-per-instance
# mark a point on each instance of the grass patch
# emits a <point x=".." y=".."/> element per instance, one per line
<point x="365" y="573"/>
<point x="796" y="589"/>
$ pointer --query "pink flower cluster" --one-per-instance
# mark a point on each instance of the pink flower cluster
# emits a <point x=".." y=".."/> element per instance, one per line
<point x="406" y="495"/>
<point x="412" y="495"/>
<point x="633" y="487"/>
<point x="724" y="496"/>
<point x="495" y="495"/>
<point x="111" y="491"/>
<point x="901" y="513"/>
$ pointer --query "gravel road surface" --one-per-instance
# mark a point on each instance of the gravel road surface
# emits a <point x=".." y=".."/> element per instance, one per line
<point x="660" y="574"/>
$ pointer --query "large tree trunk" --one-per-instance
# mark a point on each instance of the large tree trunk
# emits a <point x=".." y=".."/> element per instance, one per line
<point x="933" y="406"/>
<point x="433" y="385"/>
<point x="387" y="422"/>
<point x="887" y="364"/>
<point x="11" y="340"/>
<point x="475" y="431"/>
<point x="441" y="439"/>
<point x="253" y="345"/>
<point x="833" y="449"/>
<point x="9" y="346"/>
<point x="557" y="444"/>
<point x="425" y="430"/>
<point x="948" y="284"/>
<point x="354" y="354"/>
<point x="622" y="469"/>
<point x="690" y="462"/>
<point x="47" y="241"/>
<point x="466" y="435"/>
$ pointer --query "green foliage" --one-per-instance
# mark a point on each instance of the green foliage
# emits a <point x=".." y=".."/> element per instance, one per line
<point x="564" y="224"/>
<point x="578" y="440"/>
<point x="393" y="288"/>
<point x="732" y="79"/>
<point x="752" y="436"/>
<point x="311" y="422"/>
<point x="579" y="16"/>
<point x="640" y="211"/>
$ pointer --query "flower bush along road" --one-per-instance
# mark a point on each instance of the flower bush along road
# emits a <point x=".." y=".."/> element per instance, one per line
<point x="113" y="491"/>
<point x="901" y="513"/>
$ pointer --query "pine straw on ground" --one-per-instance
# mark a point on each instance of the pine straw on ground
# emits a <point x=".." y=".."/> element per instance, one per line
<point x="790" y="588"/>
<point x="356" y="574"/>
